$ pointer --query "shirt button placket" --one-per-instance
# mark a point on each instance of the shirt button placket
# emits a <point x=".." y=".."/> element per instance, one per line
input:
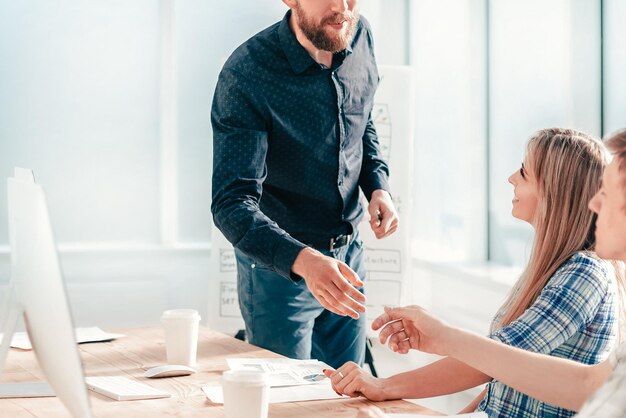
<point x="342" y="136"/>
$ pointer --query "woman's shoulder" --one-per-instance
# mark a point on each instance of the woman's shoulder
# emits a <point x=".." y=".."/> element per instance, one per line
<point x="587" y="258"/>
<point x="584" y="269"/>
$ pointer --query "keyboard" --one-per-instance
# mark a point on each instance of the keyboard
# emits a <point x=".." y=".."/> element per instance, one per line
<point x="122" y="388"/>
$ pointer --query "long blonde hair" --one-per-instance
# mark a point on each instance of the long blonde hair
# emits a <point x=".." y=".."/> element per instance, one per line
<point x="568" y="166"/>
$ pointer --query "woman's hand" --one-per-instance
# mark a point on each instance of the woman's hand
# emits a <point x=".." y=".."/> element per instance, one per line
<point x="353" y="381"/>
<point x="413" y="327"/>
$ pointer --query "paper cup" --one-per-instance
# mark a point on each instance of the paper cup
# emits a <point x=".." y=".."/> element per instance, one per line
<point x="181" y="336"/>
<point x="246" y="394"/>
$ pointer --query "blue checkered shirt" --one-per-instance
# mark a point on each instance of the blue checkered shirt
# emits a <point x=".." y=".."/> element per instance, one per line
<point x="574" y="317"/>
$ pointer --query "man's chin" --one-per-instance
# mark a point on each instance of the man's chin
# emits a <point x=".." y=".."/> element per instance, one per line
<point x="335" y="42"/>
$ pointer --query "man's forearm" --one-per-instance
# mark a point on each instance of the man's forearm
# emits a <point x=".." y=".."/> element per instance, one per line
<point x="557" y="381"/>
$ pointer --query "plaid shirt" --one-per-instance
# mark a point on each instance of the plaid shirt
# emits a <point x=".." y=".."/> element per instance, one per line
<point x="574" y="317"/>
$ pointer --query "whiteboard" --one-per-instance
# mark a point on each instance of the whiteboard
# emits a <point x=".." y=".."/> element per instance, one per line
<point x="223" y="313"/>
<point x="387" y="261"/>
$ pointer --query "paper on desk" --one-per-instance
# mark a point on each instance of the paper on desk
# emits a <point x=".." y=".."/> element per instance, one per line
<point x="26" y="390"/>
<point x="470" y="415"/>
<point x="316" y="392"/>
<point x="83" y="335"/>
<point x="283" y="371"/>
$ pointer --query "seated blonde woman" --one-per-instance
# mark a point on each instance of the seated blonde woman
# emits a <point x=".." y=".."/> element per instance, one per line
<point x="601" y="387"/>
<point x="564" y="304"/>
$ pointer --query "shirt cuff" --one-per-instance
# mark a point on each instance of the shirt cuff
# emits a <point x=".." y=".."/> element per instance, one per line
<point x="375" y="183"/>
<point x="285" y="256"/>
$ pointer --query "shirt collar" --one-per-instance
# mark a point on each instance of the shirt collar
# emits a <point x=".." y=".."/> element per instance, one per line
<point x="298" y="57"/>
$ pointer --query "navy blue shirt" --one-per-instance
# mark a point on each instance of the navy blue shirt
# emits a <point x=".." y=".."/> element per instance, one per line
<point x="293" y="141"/>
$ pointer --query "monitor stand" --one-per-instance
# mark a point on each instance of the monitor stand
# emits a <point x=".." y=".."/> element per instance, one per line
<point x="10" y="316"/>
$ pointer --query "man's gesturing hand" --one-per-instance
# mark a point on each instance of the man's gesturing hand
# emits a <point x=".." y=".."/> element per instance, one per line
<point x="330" y="281"/>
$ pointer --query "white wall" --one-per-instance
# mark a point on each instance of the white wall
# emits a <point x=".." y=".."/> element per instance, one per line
<point x="80" y="105"/>
<point x="615" y="65"/>
<point x="109" y="103"/>
<point x="544" y="71"/>
<point x="448" y="53"/>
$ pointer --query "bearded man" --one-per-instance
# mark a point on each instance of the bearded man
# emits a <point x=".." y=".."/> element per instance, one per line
<point x="293" y="142"/>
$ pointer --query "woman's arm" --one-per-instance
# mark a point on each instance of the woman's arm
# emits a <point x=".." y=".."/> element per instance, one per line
<point x="550" y="379"/>
<point x="554" y="380"/>
<point x="439" y="378"/>
<point x="442" y="377"/>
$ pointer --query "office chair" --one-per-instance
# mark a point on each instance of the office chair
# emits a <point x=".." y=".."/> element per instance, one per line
<point x="369" y="359"/>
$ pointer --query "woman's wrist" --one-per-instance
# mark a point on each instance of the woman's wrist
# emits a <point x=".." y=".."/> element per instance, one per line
<point x="386" y="386"/>
<point x="460" y="342"/>
<point x="450" y="341"/>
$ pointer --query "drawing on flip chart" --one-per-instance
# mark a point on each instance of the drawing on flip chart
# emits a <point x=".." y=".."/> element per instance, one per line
<point x="397" y="203"/>
<point x="382" y="121"/>
<point x="227" y="260"/>
<point x="383" y="261"/>
<point x="229" y="300"/>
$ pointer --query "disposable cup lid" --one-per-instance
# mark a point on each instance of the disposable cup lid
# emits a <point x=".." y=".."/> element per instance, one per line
<point x="247" y="377"/>
<point x="181" y="314"/>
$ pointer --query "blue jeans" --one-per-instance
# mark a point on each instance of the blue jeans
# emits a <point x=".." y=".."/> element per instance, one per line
<point x="284" y="317"/>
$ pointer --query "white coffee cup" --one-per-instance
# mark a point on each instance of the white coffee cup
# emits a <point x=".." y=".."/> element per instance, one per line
<point x="246" y="394"/>
<point x="181" y="336"/>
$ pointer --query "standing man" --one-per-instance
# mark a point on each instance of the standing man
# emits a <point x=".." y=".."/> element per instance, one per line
<point x="293" y="142"/>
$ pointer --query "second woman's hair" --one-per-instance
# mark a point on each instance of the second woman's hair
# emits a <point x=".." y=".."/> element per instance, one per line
<point x="568" y="166"/>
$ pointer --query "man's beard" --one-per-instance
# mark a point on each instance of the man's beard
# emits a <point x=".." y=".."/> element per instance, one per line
<point x="316" y="33"/>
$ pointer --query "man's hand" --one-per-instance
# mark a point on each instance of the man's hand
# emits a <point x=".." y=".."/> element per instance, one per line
<point x="353" y="381"/>
<point x="330" y="281"/>
<point x="383" y="215"/>
<point x="413" y="327"/>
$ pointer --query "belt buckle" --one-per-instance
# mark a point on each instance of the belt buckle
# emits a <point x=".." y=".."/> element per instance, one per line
<point x="340" y="241"/>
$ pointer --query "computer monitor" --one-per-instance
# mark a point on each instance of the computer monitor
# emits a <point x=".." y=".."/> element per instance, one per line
<point x="37" y="291"/>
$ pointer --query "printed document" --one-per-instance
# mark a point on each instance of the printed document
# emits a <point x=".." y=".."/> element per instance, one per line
<point x="322" y="390"/>
<point x="470" y="415"/>
<point x="83" y="335"/>
<point x="283" y="371"/>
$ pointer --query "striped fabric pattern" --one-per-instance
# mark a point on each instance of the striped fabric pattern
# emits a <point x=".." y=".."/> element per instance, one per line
<point x="574" y="317"/>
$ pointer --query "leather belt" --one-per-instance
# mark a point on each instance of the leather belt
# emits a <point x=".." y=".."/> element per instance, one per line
<point x="333" y="243"/>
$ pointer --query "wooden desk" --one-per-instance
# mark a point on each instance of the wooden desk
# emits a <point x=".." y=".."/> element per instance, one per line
<point x="144" y="348"/>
